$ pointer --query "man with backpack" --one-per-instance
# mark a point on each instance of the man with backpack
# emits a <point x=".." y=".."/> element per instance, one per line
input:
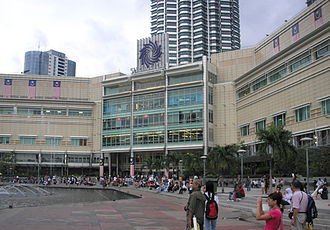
<point x="299" y="205"/>
<point x="211" y="207"/>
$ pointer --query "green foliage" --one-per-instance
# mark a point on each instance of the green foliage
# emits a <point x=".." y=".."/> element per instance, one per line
<point x="223" y="161"/>
<point x="284" y="153"/>
<point x="148" y="163"/>
<point x="7" y="163"/>
<point x="193" y="164"/>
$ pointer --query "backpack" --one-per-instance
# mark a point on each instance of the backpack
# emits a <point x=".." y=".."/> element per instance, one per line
<point x="311" y="211"/>
<point x="211" y="212"/>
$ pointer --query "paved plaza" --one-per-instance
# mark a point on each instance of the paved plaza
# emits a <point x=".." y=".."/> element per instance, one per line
<point x="151" y="211"/>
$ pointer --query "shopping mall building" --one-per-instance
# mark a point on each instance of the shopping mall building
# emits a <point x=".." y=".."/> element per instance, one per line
<point x="65" y="125"/>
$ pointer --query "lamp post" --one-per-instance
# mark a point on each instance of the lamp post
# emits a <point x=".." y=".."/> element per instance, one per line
<point x="180" y="168"/>
<point x="204" y="159"/>
<point x="309" y="139"/>
<point x="241" y="152"/>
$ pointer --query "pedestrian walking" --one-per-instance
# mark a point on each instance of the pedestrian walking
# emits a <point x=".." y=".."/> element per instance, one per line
<point x="248" y="184"/>
<point x="299" y="204"/>
<point x="195" y="206"/>
<point x="210" y="216"/>
<point x="274" y="218"/>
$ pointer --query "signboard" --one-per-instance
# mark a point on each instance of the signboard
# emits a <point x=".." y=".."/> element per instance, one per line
<point x="152" y="53"/>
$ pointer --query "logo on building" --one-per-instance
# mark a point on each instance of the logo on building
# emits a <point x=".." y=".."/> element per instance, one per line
<point x="150" y="53"/>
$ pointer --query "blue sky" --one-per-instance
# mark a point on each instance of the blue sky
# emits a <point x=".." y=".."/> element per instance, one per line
<point x="100" y="35"/>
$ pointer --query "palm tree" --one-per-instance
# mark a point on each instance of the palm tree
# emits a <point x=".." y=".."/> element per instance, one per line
<point x="192" y="163"/>
<point x="221" y="158"/>
<point x="158" y="164"/>
<point x="277" y="140"/>
<point x="149" y="164"/>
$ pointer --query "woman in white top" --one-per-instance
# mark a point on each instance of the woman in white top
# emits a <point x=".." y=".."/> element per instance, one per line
<point x="210" y="224"/>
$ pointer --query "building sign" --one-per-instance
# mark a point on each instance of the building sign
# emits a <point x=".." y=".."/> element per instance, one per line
<point x="152" y="53"/>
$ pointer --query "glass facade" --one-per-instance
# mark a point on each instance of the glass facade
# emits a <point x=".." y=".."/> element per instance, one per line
<point x="117" y="105"/>
<point x="186" y="96"/>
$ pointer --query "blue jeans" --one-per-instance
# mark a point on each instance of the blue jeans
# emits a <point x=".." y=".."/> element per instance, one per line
<point x="210" y="224"/>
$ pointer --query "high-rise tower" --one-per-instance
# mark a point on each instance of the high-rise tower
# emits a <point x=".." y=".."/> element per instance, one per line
<point x="196" y="27"/>
<point x="52" y="63"/>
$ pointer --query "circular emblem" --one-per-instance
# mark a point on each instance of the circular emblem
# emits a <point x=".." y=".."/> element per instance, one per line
<point x="150" y="53"/>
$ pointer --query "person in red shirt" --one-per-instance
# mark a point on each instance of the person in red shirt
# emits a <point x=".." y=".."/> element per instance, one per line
<point x="274" y="218"/>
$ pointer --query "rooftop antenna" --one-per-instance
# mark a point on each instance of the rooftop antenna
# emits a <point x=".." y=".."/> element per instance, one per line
<point x="39" y="46"/>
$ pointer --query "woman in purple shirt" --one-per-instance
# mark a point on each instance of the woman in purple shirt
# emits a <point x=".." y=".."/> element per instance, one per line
<point x="274" y="217"/>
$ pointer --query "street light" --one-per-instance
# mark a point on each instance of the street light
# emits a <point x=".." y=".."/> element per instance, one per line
<point x="241" y="153"/>
<point x="180" y="168"/>
<point x="307" y="163"/>
<point x="204" y="159"/>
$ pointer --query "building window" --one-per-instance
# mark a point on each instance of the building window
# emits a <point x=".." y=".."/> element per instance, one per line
<point x="185" y="117"/>
<point x="260" y="125"/>
<point x="210" y="93"/>
<point x="244" y="91"/>
<point x="149" y="101"/>
<point x="54" y="112"/>
<point x="324" y="51"/>
<point x="117" y="105"/>
<point x="116" y="140"/>
<point x="146" y="138"/>
<point x="53" y="141"/>
<point x="259" y="83"/>
<point x="300" y="62"/>
<point x="303" y="113"/>
<point x="277" y="73"/>
<point x="326" y="107"/>
<point x="185" y="78"/>
<point x="80" y="112"/>
<point x="28" y="111"/>
<point x="4" y="140"/>
<point x="280" y="119"/>
<point x="245" y="130"/>
<point x="7" y="110"/>
<point x="184" y="97"/>
<point x="24" y="140"/>
<point x="185" y="135"/>
<point x="78" y="141"/>
<point x="211" y="116"/>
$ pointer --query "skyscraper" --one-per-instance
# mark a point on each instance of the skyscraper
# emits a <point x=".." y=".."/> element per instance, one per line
<point x="196" y="27"/>
<point x="52" y="63"/>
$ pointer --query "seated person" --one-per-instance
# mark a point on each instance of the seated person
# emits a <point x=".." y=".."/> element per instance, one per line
<point x="324" y="193"/>
<point x="183" y="188"/>
<point x="240" y="193"/>
<point x="287" y="197"/>
<point x="232" y="195"/>
<point x="175" y="187"/>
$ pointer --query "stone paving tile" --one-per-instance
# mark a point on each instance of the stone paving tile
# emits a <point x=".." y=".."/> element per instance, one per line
<point x="153" y="211"/>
